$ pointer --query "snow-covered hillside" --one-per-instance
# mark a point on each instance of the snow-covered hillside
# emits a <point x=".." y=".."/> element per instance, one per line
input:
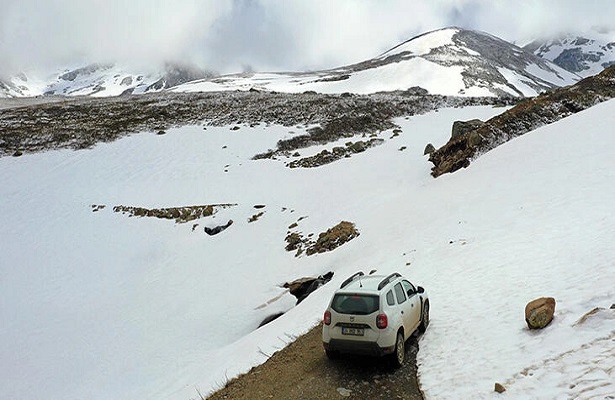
<point x="450" y="61"/>
<point x="95" y="304"/>
<point x="101" y="80"/>
<point x="584" y="55"/>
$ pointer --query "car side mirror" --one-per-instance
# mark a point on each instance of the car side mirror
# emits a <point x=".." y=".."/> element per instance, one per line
<point x="420" y="289"/>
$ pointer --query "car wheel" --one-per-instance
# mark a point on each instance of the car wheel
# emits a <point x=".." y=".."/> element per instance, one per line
<point x="332" y="355"/>
<point x="424" y="318"/>
<point x="399" y="355"/>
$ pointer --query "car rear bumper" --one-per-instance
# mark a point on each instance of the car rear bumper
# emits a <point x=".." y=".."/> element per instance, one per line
<point x="357" y="347"/>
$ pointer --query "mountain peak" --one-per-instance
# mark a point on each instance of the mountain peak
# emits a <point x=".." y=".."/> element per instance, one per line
<point x="583" y="54"/>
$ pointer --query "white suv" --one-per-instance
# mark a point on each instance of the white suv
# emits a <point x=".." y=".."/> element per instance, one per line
<point x="374" y="315"/>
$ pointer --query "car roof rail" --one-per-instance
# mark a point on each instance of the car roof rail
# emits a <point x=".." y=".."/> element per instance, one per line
<point x="388" y="280"/>
<point x="352" y="278"/>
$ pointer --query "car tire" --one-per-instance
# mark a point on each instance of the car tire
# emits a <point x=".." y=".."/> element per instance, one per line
<point x="424" y="317"/>
<point x="332" y="355"/>
<point x="399" y="355"/>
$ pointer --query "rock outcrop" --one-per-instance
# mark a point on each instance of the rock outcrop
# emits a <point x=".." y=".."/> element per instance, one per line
<point x="524" y="117"/>
<point x="463" y="127"/>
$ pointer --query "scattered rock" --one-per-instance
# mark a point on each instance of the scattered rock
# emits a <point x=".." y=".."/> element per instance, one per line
<point x="429" y="149"/>
<point x="293" y="225"/>
<point x="293" y="241"/>
<point x="259" y="206"/>
<point x="161" y="132"/>
<point x="539" y="313"/>
<point x="402" y="148"/>
<point x="613" y="306"/>
<point x="97" y="207"/>
<point x="255" y="217"/>
<point x="218" y="229"/>
<point x="18" y="153"/>
<point x="235" y="128"/>
<point x="499" y="388"/>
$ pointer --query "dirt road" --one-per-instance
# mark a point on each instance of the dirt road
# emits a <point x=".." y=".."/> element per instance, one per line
<point x="302" y="371"/>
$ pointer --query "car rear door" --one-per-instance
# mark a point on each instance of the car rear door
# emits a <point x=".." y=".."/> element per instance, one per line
<point x="413" y="305"/>
<point x="404" y="308"/>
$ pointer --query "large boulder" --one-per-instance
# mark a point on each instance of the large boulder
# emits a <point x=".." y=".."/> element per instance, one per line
<point x="463" y="127"/>
<point x="539" y="312"/>
<point x="301" y="288"/>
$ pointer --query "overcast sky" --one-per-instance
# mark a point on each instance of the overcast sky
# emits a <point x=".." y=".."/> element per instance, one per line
<point x="234" y="35"/>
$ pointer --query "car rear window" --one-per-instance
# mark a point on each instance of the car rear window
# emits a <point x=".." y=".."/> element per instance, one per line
<point x="355" y="304"/>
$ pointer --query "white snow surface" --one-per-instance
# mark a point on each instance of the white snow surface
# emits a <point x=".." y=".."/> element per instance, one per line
<point x="425" y="43"/>
<point x="98" y="305"/>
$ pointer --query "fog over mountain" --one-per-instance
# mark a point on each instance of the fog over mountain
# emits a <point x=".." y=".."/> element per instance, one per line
<point x="234" y="35"/>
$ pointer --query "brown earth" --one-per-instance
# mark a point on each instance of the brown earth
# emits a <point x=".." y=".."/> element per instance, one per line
<point x="303" y="371"/>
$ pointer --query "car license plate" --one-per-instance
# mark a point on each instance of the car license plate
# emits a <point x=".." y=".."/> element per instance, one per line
<point x="353" y="331"/>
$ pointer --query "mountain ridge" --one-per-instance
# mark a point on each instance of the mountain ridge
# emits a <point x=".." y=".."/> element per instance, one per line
<point x="448" y="61"/>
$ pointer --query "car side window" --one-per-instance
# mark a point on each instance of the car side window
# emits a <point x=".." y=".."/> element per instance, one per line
<point x="408" y="288"/>
<point x="390" y="298"/>
<point x="399" y="293"/>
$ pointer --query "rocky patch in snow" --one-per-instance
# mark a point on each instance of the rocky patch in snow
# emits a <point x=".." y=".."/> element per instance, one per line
<point x="179" y="214"/>
<point x="338" y="152"/>
<point x="327" y="241"/>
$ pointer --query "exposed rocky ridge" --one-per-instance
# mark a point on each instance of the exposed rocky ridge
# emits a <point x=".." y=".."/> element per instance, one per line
<point x="524" y="117"/>
<point x="79" y="123"/>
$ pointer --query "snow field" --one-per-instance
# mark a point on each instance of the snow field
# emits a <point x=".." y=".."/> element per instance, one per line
<point x="100" y="305"/>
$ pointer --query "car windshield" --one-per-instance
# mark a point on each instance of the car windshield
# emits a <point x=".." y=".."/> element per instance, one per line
<point x="355" y="304"/>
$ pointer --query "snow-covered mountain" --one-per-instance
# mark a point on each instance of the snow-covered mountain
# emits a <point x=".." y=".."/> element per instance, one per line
<point x="102" y="80"/>
<point x="450" y="61"/>
<point x="584" y="55"/>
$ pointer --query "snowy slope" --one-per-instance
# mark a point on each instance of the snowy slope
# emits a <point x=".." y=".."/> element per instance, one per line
<point x="585" y="55"/>
<point x="98" y="305"/>
<point x="450" y="61"/>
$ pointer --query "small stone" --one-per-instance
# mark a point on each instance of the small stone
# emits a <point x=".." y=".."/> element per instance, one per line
<point x="499" y="388"/>
<point x="18" y="153"/>
<point x="613" y="306"/>
<point x="344" y="392"/>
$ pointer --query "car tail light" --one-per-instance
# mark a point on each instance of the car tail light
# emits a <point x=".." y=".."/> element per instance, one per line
<point x="382" y="321"/>
<point x="327" y="318"/>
